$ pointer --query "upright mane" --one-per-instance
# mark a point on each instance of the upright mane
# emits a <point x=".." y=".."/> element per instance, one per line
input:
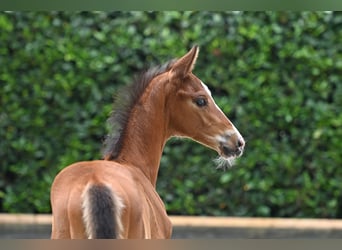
<point x="124" y="101"/>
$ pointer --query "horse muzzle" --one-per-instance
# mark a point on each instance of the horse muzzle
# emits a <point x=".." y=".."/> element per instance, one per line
<point x="231" y="145"/>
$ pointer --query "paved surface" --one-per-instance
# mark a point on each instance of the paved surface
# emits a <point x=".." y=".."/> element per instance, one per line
<point x="22" y="231"/>
<point x="25" y="226"/>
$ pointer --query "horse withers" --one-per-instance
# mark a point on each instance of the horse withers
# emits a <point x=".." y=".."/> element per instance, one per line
<point x="116" y="197"/>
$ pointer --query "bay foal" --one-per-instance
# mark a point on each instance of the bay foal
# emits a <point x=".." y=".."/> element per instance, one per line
<point x="116" y="197"/>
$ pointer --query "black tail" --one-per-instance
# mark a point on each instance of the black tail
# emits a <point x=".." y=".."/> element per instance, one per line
<point x="100" y="213"/>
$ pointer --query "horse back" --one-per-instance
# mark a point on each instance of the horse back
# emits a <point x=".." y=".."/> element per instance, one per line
<point x="89" y="198"/>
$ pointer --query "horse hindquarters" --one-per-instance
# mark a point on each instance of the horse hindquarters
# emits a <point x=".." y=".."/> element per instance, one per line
<point x="101" y="210"/>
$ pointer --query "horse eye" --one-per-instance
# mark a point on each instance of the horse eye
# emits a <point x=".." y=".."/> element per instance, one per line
<point x="201" y="102"/>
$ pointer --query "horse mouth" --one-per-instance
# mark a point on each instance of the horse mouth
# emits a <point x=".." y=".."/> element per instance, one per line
<point x="229" y="148"/>
<point x="227" y="156"/>
<point x="228" y="152"/>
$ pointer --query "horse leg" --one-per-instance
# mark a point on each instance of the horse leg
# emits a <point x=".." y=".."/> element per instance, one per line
<point x="60" y="226"/>
<point x="75" y="215"/>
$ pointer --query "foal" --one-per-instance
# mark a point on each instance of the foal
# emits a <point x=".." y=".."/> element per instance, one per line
<point x="116" y="197"/>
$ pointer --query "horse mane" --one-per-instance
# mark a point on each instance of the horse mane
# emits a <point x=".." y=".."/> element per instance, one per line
<point x="124" y="101"/>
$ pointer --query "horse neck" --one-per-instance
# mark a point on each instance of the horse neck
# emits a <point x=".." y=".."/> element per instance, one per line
<point x="146" y="133"/>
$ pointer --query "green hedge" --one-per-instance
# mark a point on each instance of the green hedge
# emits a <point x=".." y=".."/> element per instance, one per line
<point x="276" y="74"/>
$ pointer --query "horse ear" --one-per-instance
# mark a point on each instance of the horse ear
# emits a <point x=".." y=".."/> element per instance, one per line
<point x="183" y="66"/>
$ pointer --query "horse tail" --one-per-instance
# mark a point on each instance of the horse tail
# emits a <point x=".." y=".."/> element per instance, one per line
<point x="101" y="212"/>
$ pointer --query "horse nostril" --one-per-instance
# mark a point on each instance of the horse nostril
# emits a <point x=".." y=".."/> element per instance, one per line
<point x="240" y="143"/>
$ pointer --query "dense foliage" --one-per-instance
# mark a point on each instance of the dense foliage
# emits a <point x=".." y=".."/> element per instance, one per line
<point x="277" y="75"/>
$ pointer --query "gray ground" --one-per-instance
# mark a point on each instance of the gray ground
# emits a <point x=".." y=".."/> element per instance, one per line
<point x="43" y="232"/>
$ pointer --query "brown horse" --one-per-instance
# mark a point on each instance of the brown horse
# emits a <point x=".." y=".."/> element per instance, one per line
<point x="116" y="197"/>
